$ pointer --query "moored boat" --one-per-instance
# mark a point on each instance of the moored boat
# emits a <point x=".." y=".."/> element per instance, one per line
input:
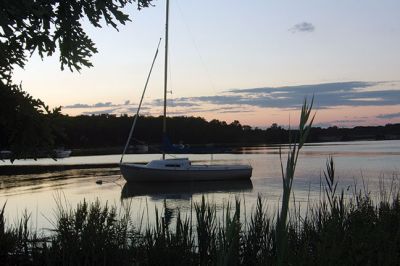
<point x="61" y="153"/>
<point x="181" y="169"/>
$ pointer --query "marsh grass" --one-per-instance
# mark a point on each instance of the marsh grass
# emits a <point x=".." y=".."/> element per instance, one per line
<point x="338" y="229"/>
<point x="288" y="173"/>
<point x="18" y="244"/>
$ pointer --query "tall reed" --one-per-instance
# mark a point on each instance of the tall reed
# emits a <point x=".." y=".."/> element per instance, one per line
<point x="18" y="244"/>
<point x="357" y="230"/>
<point x="354" y="229"/>
<point x="288" y="176"/>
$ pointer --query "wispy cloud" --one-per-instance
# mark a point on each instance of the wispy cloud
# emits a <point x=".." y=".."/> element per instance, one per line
<point x="389" y="116"/>
<point x="96" y="105"/>
<point x="106" y="111"/>
<point x="118" y="111"/>
<point x="107" y="104"/>
<point x="106" y="108"/>
<point x="177" y="102"/>
<point x="327" y="95"/>
<point x="302" y="27"/>
<point x="77" y="105"/>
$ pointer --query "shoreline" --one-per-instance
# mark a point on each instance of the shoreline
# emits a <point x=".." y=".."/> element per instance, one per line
<point x="39" y="169"/>
<point x="26" y="169"/>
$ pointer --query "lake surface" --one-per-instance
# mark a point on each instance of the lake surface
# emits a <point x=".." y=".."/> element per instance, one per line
<point x="361" y="164"/>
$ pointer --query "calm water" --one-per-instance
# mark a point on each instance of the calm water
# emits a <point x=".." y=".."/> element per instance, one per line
<point x="39" y="193"/>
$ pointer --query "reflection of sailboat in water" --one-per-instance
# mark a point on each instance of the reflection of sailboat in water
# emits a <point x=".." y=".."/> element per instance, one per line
<point x="180" y="169"/>
<point x="162" y="190"/>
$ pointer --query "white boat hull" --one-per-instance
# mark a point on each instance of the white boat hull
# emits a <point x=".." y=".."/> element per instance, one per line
<point x="144" y="173"/>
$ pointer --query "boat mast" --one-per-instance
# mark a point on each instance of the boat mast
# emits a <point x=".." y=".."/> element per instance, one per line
<point x="165" y="76"/>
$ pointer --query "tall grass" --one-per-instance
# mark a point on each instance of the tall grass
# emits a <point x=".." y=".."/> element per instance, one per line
<point x="91" y="235"/>
<point x="18" y="244"/>
<point x="288" y="176"/>
<point x="336" y="230"/>
<point x="357" y="229"/>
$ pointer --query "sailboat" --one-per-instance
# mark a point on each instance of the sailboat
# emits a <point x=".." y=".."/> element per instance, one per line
<point x="177" y="169"/>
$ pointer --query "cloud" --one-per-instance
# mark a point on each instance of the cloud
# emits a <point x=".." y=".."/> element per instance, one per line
<point x="96" y="105"/>
<point x="77" y="105"/>
<point x="107" y="111"/>
<point x="128" y="110"/>
<point x="327" y="95"/>
<point x="367" y="99"/>
<point x="182" y="104"/>
<point x="219" y="99"/>
<point x="107" y="104"/>
<point x="235" y="111"/>
<point x="177" y="102"/>
<point x="302" y="27"/>
<point x="389" y="116"/>
<point x="229" y="109"/>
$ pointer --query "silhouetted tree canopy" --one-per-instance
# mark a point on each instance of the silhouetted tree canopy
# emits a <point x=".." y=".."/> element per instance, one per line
<point x="27" y="126"/>
<point x="45" y="26"/>
<point x="110" y="131"/>
<point x="41" y="26"/>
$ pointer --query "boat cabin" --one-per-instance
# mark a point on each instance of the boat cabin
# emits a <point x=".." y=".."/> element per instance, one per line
<point x="170" y="163"/>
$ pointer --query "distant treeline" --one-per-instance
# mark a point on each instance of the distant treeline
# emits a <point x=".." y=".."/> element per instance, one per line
<point x="101" y="131"/>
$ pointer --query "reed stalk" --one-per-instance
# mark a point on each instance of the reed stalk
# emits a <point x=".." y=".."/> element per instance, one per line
<point x="288" y="176"/>
<point x="354" y="230"/>
<point x="358" y="230"/>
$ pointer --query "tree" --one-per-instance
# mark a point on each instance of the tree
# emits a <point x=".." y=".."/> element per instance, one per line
<point x="43" y="26"/>
<point x="29" y="26"/>
<point x="27" y="125"/>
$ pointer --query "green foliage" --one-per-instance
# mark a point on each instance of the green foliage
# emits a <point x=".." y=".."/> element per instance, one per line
<point x="27" y="126"/>
<point x="111" y="131"/>
<point x="30" y="26"/>
<point x="259" y="238"/>
<point x="206" y="231"/>
<point x="43" y="26"/>
<point x="90" y="235"/>
<point x="229" y="237"/>
<point x="18" y="244"/>
<point x="305" y="125"/>
<point x="361" y="231"/>
<point x="336" y="231"/>
<point x="161" y="242"/>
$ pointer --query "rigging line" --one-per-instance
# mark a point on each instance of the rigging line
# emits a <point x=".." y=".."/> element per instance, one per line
<point x="170" y="83"/>
<point x="140" y="103"/>
<point x="197" y="48"/>
<point x="169" y="57"/>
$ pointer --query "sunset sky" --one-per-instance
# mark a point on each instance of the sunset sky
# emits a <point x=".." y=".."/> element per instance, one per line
<point x="252" y="61"/>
